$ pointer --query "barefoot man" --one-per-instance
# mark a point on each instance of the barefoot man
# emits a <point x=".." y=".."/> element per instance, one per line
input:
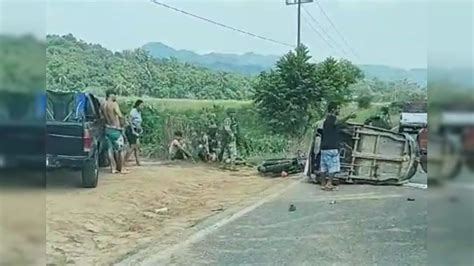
<point x="114" y="132"/>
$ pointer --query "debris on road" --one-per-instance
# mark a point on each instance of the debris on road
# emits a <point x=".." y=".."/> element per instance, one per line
<point x="221" y="208"/>
<point x="410" y="199"/>
<point x="332" y="202"/>
<point x="149" y="215"/>
<point x="161" y="210"/>
<point x="283" y="167"/>
<point x="292" y="208"/>
<point x="91" y="227"/>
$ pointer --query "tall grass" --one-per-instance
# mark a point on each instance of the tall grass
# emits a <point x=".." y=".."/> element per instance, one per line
<point x="164" y="116"/>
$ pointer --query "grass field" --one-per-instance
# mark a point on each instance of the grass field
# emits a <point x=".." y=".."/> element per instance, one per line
<point x="189" y="104"/>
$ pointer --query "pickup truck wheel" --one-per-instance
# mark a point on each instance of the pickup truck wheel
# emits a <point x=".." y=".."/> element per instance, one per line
<point x="90" y="172"/>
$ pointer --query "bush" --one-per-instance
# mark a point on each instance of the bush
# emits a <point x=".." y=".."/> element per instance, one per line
<point x="159" y="125"/>
<point x="364" y="102"/>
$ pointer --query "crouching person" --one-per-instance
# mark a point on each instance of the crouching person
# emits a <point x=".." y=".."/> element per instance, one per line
<point x="330" y="163"/>
<point x="177" y="150"/>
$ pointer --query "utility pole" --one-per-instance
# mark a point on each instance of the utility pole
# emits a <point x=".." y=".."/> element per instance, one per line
<point x="298" y="41"/>
<point x="298" y="3"/>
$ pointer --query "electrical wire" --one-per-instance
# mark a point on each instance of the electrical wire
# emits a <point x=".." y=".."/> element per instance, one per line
<point x="221" y="24"/>
<point x="335" y="28"/>
<point x="330" y="39"/>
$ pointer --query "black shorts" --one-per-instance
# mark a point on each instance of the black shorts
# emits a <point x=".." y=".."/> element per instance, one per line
<point x="131" y="138"/>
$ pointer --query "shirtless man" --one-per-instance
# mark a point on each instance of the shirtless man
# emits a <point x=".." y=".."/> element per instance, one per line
<point x="114" y="132"/>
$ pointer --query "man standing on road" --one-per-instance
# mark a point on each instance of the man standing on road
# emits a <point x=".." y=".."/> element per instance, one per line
<point x="114" y="132"/>
<point x="330" y="164"/>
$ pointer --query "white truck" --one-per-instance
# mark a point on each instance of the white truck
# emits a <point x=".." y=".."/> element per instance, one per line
<point x="413" y="117"/>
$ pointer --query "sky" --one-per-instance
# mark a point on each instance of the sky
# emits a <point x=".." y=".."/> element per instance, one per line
<point x="389" y="32"/>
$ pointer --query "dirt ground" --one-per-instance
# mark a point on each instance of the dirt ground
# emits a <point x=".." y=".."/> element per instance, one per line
<point x="102" y="225"/>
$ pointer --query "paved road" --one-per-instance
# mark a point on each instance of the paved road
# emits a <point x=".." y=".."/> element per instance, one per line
<point x="357" y="225"/>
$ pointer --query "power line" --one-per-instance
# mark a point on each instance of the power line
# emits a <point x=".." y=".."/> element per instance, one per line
<point x="221" y="24"/>
<point x="335" y="28"/>
<point x="319" y="34"/>
<point x="324" y="31"/>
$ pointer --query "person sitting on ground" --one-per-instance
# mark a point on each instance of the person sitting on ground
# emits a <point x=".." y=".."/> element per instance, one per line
<point x="177" y="149"/>
<point x="330" y="142"/>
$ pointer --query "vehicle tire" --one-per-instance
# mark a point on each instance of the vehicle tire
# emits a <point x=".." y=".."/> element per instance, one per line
<point x="90" y="172"/>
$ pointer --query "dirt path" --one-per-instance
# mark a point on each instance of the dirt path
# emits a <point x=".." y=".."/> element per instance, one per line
<point x="99" y="226"/>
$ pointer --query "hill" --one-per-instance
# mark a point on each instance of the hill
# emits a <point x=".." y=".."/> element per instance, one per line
<point x="251" y="63"/>
<point x="74" y="65"/>
<point x="248" y="63"/>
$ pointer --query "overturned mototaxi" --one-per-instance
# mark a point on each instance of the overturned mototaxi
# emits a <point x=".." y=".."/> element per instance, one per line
<point x="368" y="155"/>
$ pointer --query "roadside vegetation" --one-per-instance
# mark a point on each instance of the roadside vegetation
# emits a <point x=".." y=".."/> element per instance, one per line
<point x="276" y="109"/>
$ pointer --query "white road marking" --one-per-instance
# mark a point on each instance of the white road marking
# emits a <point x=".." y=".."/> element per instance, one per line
<point x="416" y="185"/>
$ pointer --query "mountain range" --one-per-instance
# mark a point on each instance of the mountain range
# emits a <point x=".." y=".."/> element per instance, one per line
<point x="252" y="64"/>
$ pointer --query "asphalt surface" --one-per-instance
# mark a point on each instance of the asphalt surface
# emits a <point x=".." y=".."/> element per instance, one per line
<point x="356" y="225"/>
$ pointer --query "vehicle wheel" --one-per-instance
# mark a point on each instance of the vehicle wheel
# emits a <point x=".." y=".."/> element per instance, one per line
<point x="90" y="172"/>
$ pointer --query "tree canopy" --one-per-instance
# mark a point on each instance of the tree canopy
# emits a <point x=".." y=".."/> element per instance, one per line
<point x="287" y="95"/>
<point x="75" y="65"/>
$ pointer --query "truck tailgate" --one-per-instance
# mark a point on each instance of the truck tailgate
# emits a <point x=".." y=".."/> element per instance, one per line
<point x="64" y="138"/>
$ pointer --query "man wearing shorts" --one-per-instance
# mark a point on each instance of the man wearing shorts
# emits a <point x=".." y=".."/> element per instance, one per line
<point x="330" y="164"/>
<point x="114" y="132"/>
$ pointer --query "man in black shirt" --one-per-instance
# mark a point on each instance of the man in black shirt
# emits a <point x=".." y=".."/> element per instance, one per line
<point x="330" y="142"/>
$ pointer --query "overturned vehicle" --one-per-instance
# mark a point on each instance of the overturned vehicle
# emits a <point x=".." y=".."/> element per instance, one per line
<point x="368" y="155"/>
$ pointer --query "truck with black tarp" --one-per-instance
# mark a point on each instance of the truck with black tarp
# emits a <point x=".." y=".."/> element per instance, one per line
<point x="75" y="134"/>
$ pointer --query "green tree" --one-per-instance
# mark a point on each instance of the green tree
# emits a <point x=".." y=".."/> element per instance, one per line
<point x="335" y="77"/>
<point x="287" y="95"/>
